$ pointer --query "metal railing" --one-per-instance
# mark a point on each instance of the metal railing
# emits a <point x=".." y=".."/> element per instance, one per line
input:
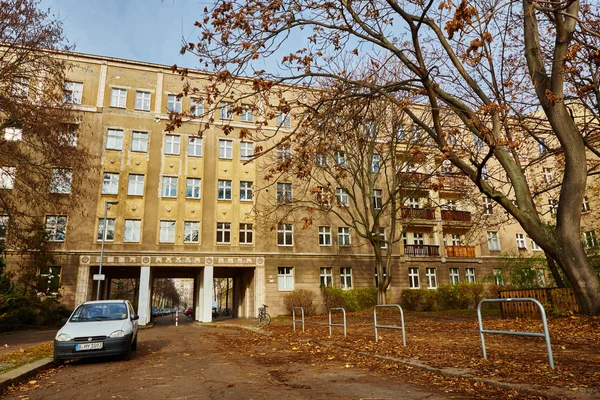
<point x="389" y="326"/>
<point x="294" y="320"/>
<point x="421" y="250"/>
<point x="344" y="324"/>
<point x="545" y="335"/>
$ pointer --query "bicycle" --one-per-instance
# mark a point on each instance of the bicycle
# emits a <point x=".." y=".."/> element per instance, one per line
<point x="264" y="318"/>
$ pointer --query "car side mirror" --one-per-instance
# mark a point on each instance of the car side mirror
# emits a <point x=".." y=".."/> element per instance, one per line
<point x="135" y="317"/>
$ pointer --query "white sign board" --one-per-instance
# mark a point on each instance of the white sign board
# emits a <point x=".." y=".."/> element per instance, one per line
<point x="98" y="277"/>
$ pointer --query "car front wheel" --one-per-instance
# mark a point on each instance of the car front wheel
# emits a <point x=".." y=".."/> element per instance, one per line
<point x="57" y="362"/>
<point x="134" y="344"/>
<point x="127" y="354"/>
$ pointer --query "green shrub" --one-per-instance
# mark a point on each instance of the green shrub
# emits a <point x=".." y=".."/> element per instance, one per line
<point x="350" y="300"/>
<point x="412" y="299"/>
<point x="457" y="296"/>
<point x="333" y="298"/>
<point x="20" y="312"/>
<point x="300" y="298"/>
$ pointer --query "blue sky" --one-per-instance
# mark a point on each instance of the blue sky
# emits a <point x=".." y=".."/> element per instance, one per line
<point x="143" y="30"/>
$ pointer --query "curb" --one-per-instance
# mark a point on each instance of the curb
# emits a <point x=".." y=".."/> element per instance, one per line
<point x="22" y="373"/>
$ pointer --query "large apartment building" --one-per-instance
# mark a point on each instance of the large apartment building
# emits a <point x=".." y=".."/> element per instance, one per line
<point x="185" y="206"/>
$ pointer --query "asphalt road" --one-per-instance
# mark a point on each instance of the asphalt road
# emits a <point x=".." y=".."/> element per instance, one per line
<point x="189" y="362"/>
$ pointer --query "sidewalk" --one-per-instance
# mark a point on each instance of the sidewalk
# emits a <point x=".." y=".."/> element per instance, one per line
<point x="12" y="341"/>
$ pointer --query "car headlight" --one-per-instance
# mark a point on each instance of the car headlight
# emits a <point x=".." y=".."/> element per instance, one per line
<point x="116" y="334"/>
<point x="63" y="337"/>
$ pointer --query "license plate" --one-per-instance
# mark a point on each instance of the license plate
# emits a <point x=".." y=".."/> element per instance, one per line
<point x="89" y="346"/>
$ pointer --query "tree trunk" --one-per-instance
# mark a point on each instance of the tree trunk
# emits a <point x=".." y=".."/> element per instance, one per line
<point x="381" y="298"/>
<point x="554" y="270"/>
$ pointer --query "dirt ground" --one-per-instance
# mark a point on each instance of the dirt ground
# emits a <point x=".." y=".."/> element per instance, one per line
<point x="222" y="360"/>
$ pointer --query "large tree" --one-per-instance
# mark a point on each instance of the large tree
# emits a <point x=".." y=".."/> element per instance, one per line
<point x="41" y="165"/>
<point x="497" y="68"/>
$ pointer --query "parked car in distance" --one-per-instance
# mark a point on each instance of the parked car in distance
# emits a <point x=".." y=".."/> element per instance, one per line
<point x="154" y="312"/>
<point x="96" y="329"/>
<point x="189" y="312"/>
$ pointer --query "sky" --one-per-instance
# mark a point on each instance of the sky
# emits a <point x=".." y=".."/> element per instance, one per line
<point x="141" y="30"/>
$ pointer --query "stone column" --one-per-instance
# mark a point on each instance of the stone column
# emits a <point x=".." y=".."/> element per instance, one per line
<point x="206" y="290"/>
<point x="144" y="299"/>
<point x="259" y="286"/>
<point x="83" y="281"/>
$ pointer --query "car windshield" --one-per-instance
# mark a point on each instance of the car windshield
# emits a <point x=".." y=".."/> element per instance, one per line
<point x="99" y="312"/>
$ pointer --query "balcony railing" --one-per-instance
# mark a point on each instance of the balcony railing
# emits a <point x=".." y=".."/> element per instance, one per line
<point x="418" y="213"/>
<point x="454" y="215"/>
<point x="421" y="250"/>
<point x="414" y="178"/>
<point x="460" y="251"/>
<point x="452" y="181"/>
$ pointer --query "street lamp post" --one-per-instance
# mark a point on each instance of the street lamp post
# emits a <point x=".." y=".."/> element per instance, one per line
<point x="107" y="205"/>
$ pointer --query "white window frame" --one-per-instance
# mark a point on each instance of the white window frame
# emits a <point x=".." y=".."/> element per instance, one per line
<point x="377" y="199"/>
<point x="139" y="141"/>
<point x="590" y="239"/>
<point x="585" y="206"/>
<point x="13" y="134"/>
<point x="493" y="241"/>
<point x="418" y="238"/>
<point x="135" y="185"/>
<point x="341" y="195"/>
<point x="383" y="238"/>
<point x="56" y="226"/>
<point x="534" y="246"/>
<point x="283" y="119"/>
<point x="196" y="108"/>
<point x="431" y="275"/>
<point x="225" y="149"/>
<point x="169" y="186"/>
<point x="553" y="204"/>
<point x="114" y="139"/>
<point x="521" y="241"/>
<point x="7" y="177"/>
<point x="346" y="279"/>
<point x="470" y="275"/>
<point x="340" y="159"/>
<point x="413" y="278"/>
<point x="285" y="235"/>
<point x="247" y="114"/>
<point x="194" y="148"/>
<point x="375" y="162"/>
<point x="455" y="239"/>
<point x="224" y="190"/>
<point x="72" y="92"/>
<point x="172" y="144"/>
<point x="548" y="175"/>
<point x="285" y="279"/>
<point x="118" y="97"/>
<point x="454" y="275"/>
<point x="246" y="191"/>
<point x="284" y="193"/>
<point x="167" y="231"/>
<point x="246" y="151"/>
<point x="189" y="229"/>
<point x="223" y="232"/>
<point x="142" y="100"/>
<point x="344" y="238"/>
<point x="3" y="226"/>
<point x="110" y="183"/>
<point x="61" y="180"/>
<point x="283" y="153"/>
<point x="488" y="206"/>
<point x="20" y="87"/>
<point x="132" y="230"/>
<point x="193" y="188"/>
<point x="498" y="276"/>
<point x="225" y="110"/>
<point x="246" y="233"/>
<point x="542" y="146"/>
<point x="173" y="103"/>
<point x="325" y="235"/>
<point x="326" y="277"/>
<point x="110" y="230"/>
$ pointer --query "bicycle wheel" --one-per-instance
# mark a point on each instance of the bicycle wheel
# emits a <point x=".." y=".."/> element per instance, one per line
<point x="266" y="320"/>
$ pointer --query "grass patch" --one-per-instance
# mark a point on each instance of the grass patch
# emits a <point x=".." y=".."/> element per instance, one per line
<point x="16" y="359"/>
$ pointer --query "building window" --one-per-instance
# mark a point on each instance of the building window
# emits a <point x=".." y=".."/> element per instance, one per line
<point x="341" y="195"/>
<point x="195" y="146"/>
<point x="247" y="115"/>
<point x="56" y="227"/>
<point x="12" y="134"/>
<point x="224" y="190"/>
<point x="49" y="282"/>
<point x="326" y="277"/>
<point x="246" y="234"/>
<point x="283" y="119"/>
<point x="114" y="139"/>
<point x="142" y="100"/>
<point x="590" y="239"/>
<point x="3" y="226"/>
<point x="285" y="278"/>
<point x="488" y="207"/>
<point x="340" y="159"/>
<point x="192" y="188"/>
<point x="225" y="149"/>
<point x="343" y="236"/>
<point x="413" y="278"/>
<point x="414" y="202"/>
<point x="470" y="275"/>
<point x="169" y="186"/>
<point x="172" y="144"/>
<point x="167" y="232"/>
<point x="191" y="232"/>
<point x="136" y="185"/>
<point x="223" y="232"/>
<point x="542" y="146"/>
<point x="110" y="230"/>
<point x="225" y="111"/>
<point x="246" y="191"/>
<point x="377" y="199"/>
<point x="455" y="239"/>
<point x="118" y="98"/>
<point x="110" y="183"/>
<point x="324" y="236"/>
<point x="323" y="196"/>
<point x="346" y="277"/>
<point x="431" y="278"/>
<point x="382" y="238"/>
<point x="521" y="242"/>
<point x="139" y="141"/>
<point x="375" y="160"/>
<point x="418" y="238"/>
<point x="585" y="207"/>
<point x="284" y="193"/>
<point x="548" y="175"/>
<point x="283" y="153"/>
<point x="7" y="177"/>
<point x="72" y="92"/>
<point x="493" y="241"/>
<point x="196" y="107"/>
<point x="173" y="103"/>
<point x="534" y="246"/>
<point x="132" y="230"/>
<point x="246" y="151"/>
<point x="553" y="206"/>
<point x="454" y="275"/>
<point x="377" y="276"/>
<point x="285" y="235"/>
<point x="61" y="179"/>
<point x="20" y="86"/>
<point x="484" y="173"/>
<point x="498" y="278"/>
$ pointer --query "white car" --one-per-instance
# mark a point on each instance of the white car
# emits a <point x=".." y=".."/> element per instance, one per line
<point x="96" y="329"/>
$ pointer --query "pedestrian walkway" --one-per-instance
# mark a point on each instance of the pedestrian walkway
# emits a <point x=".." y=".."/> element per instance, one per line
<point x="13" y="341"/>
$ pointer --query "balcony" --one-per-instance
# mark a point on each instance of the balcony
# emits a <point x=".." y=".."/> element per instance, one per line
<point x="454" y="215"/>
<point x="421" y="250"/>
<point x="460" y="251"/>
<point x="418" y="213"/>
<point x="414" y="179"/>
<point x="452" y="182"/>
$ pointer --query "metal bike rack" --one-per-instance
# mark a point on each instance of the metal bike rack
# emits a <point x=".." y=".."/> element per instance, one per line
<point x="294" y="320"/>
<point x="344" y="324"/>
<point x="389" y="326"/>
<point x="545" y="335"/>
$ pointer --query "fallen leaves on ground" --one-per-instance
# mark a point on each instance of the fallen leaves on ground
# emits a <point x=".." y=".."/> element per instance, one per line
<point x="15" y="359"/>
